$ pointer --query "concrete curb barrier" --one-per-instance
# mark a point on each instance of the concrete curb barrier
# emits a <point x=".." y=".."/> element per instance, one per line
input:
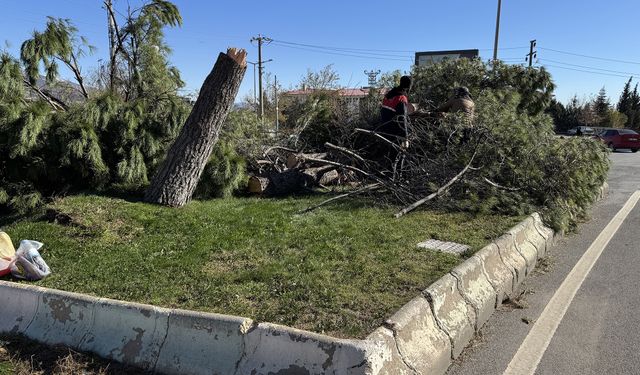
<point x="199" y="343"/>
<point x="390" y="360"/>
<point x="476" y="289"/>
<point x="453" y="314"/>
<point x="19" y="306"/>
<point x="521" y="234"/>
<point x="274" y="349"/>
<point x="421" y="338"/>
<point x="514" y="261"/>
<point x="127" y="332"/>
<point x="62" y="318"/>
<point x="499" y="275"/>
<point x="416" y="336"/>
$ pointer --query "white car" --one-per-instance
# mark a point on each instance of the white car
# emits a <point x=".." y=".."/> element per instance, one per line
<point x="585" y="130"/>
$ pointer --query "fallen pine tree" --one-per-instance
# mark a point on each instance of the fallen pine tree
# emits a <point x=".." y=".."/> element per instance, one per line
<point x="507" y="162"/>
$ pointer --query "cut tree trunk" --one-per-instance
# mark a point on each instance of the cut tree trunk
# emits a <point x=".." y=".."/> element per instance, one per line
<point x="292" y="181"/>
<point x="299" y="160"/>
<point x="177" y="178"/>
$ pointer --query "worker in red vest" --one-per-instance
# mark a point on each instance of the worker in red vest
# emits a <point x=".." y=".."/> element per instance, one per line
<point x="395" y="108"/>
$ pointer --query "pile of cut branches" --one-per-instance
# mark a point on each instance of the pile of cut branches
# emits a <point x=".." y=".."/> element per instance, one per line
<point x="507" y="161"/>
<point x="397" y="170"/>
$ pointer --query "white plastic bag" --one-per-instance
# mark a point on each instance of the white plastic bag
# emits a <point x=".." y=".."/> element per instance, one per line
<point x="28" y="264"/>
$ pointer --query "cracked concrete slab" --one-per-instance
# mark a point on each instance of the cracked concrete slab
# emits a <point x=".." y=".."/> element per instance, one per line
<point x="452" y="312"/>
<point x="127" y="332"/>
<point x="475" y="287"/>
<point x="273" y="349"/>
<point x="498" y="274"/>
<point x="390" y="361"/>
<point x="202" y="343"/>
<point x="62" y="318"/>
<point x="19" y="306"/>
<point x="421" y="344"/>
<point x="546" y="232"/>
<point x="513" y="260"/>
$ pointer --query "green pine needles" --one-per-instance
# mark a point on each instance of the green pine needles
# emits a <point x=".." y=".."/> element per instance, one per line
<point x="107" y="132"/>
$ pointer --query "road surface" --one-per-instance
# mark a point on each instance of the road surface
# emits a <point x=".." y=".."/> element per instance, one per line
<point x="580" y="312"/>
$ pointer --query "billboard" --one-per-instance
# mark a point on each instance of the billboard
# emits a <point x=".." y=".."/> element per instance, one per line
<point x="432" y="57"/>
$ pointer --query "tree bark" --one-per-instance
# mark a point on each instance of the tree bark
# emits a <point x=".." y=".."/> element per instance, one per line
<point x="177" y="178"/>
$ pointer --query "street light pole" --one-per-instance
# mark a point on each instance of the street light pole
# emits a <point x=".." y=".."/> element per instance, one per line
<point x="495" y="44"/>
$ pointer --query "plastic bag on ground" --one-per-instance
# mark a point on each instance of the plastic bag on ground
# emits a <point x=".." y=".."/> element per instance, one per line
<point x="28" y="264"/>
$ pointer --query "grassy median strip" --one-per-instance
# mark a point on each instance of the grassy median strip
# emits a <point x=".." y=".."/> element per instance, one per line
<point x="339" y="270"/>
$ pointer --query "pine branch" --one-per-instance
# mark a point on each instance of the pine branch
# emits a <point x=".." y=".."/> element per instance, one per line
<point x="438" y="192"/>
<point x="54" y="102"/>
<point x="333" y="199"/>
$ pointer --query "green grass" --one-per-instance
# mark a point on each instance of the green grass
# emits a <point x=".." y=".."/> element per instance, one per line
<point x="6" y="368"/>
<point x="339" y="270"/>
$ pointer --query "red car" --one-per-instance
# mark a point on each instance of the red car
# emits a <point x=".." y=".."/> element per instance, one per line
<point x="621" y="138"/>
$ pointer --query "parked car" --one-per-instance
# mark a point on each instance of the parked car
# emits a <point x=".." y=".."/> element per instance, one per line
<point x="584" y="130"/>
<point x="621" y="138"/>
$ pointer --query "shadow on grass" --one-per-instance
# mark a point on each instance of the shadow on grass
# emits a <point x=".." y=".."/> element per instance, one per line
<point x="29" y="357"/>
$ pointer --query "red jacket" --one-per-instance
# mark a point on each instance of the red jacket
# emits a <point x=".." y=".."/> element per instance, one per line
<point x="394" y="104"/>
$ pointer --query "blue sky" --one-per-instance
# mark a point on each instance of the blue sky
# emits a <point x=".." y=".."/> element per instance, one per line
<point x="605" y="29"/>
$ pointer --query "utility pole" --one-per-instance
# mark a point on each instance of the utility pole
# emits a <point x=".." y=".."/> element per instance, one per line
<point x="261" y="39"/>
<point x="255" y="98"/>
<point x="495" y="44"/>
<point x="372" y="76"/>
<point x="275" y="89"/>
<point x="531" y="53"/>
<point x="112" y="43"/>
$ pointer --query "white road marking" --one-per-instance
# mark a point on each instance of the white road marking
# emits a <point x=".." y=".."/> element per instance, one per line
<point x="535" y="344"/>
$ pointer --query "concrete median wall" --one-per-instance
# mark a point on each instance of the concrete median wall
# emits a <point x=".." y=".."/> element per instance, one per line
<point x="423" y="337"/>
<point x="178" y="341"/>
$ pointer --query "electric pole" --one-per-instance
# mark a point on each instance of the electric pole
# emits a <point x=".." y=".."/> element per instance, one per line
<point x="275" y="89"/>
<point x="255" y="93"/>
<point x="261" y="39"/>
<point x="112" y="43"/>
<point x="531" y="53"/>
<point x="495" y="44"/>
<point x="372" y="76"/>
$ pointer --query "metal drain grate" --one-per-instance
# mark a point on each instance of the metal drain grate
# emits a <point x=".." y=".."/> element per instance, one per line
<point x="445" y="247"/>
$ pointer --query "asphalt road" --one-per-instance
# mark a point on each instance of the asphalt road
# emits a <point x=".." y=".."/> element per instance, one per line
<point x="600" y="331"/>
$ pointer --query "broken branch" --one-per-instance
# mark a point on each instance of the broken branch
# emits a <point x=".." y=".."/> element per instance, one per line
<point x="363" y="189"/>
<point x="441" y="190"/>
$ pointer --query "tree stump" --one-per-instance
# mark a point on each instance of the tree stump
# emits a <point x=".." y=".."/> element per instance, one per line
<point x="177" y="178"/>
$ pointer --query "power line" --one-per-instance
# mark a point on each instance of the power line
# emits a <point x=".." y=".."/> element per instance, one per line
<point x="590" y="67"/>
<point x="591" y="57"/>
<point x="370" y="50"/>
<point x="585" y="71"/>
<point x="502" y="48"/>
<point x="340" y="51"/>
<point x="344" y="54"/>
<point x="343" y="48"/>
